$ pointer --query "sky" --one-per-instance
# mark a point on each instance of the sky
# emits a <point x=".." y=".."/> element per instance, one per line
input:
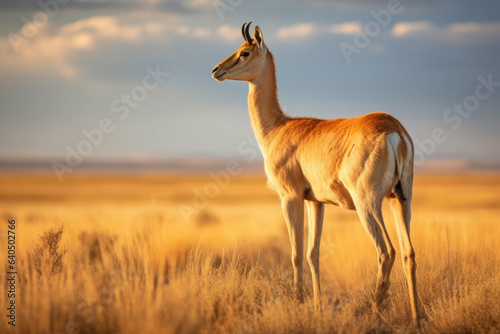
<point x="123" y="79"/>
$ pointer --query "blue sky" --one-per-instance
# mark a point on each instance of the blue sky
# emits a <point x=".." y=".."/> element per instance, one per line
<point x="83" y="55"/>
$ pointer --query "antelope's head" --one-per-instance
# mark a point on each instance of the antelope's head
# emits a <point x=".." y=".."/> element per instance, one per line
<point x="248" y="62"/>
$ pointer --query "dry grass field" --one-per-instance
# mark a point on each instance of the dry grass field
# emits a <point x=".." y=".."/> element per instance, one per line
<point x="149" y="254"/>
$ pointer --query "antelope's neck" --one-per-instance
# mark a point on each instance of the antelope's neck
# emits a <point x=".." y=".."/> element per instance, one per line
<point x="263" y="105"/>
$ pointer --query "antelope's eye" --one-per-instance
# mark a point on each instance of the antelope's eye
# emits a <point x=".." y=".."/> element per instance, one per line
<point x="244" y="54"/>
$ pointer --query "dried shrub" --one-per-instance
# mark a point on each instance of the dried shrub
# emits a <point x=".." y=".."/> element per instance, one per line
<point x="47" y="255"/>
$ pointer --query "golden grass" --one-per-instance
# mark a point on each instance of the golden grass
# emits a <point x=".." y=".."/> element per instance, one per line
<point x="133" y="263"/>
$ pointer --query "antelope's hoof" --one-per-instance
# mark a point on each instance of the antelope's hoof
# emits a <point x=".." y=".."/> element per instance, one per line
<point x="381" y="294"/>
<point x="298" y="296"/>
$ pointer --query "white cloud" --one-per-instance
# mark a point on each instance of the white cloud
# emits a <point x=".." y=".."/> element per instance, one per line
<point x="104" y="27"/>
<point x="467" y="32"/>
<point x="412" y="28"/>
<point x="229" y="33"/>
<point x="199" y="3"/>
<point x="299" y="30"/>
<point x="83" y="41"/>
<point x="201" y="32"/>
<point x="489" y="28"/>
<point x="368" y="4"/>
<point x="347" y="28"/>
<point x="182" y="30"/>
<point x="307" y="29"/>
<point x="54" y="49"/>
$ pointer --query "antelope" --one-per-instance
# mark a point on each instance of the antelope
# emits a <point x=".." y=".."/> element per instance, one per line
<point x="354" y="163"/>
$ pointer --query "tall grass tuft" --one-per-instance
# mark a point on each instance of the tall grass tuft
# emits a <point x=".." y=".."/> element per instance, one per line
<point x="46" y="256"/>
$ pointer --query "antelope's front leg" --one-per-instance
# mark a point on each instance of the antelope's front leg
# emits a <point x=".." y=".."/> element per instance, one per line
<point x="293" y="210"/>
<point x="316" y="212"/>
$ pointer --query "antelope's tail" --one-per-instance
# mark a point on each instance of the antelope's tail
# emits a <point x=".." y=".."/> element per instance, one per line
<point x="402" y="150"/>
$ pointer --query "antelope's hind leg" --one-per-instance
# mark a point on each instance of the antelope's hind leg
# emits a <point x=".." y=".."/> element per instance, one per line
<point x="402" y="216"/>
<point x="370" y="213"/>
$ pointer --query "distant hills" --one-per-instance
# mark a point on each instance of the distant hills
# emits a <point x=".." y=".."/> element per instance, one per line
<point x="206" y="164"/>
<point x="132" y="165"/>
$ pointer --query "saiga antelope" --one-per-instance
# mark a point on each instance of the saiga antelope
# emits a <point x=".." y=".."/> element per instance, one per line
<point x="354" y="163"/>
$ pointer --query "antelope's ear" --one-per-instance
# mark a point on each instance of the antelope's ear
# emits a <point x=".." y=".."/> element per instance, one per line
<point x="259" y="38"/>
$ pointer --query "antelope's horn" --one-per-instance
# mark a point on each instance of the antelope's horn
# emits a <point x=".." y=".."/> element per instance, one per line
<point x="243" y="31"/>
<point x="247" y="34"/>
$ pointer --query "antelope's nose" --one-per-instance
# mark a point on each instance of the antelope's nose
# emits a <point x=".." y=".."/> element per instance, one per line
<point x="215" y="69"/>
